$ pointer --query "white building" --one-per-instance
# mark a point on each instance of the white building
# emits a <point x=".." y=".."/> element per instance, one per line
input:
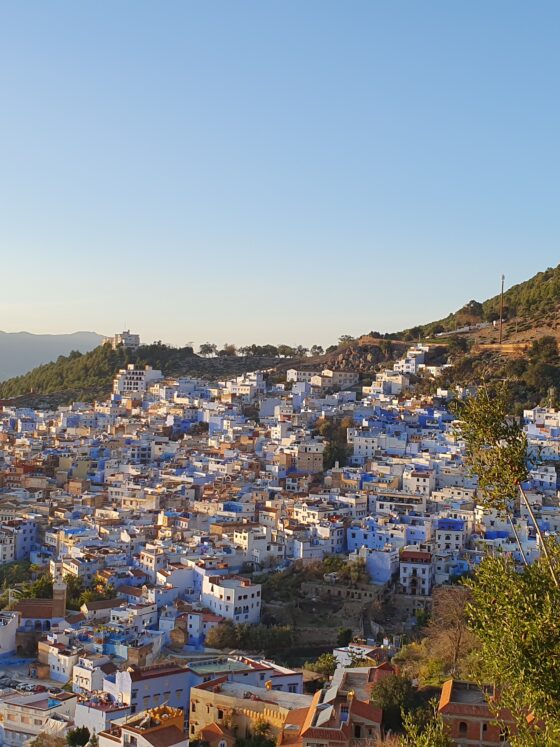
<point x="416" y="571"/>
<point x="133" y="382"/>
<point x="232" y="597"/>
<point x="24" y="717"/>
<point x="126" y="339"/>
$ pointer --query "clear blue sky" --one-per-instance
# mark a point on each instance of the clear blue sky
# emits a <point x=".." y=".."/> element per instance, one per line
<point x="272" y="171"/>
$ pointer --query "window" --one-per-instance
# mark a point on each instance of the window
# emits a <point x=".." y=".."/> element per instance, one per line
<point x="462" y="727"/>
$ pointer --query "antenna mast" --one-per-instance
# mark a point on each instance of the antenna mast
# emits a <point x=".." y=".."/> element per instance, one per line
<point x="502" y="309"/>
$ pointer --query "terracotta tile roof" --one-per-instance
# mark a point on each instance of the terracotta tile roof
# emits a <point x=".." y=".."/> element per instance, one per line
<point x="36" y="608"/>
<point x="102" y="604"/>
<point x="366" y="711"/>
<point x="165" y="737"/>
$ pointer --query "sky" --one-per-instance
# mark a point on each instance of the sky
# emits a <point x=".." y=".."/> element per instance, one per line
<point x="272" y="170"/>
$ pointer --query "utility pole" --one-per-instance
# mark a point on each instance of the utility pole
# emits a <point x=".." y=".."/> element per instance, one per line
<point x="502" y="309"/>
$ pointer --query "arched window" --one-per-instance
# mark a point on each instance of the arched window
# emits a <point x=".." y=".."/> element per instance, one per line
<point x="462" y="727"/>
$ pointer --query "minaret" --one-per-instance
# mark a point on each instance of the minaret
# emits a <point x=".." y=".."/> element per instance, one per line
<point x="59" y="592"/>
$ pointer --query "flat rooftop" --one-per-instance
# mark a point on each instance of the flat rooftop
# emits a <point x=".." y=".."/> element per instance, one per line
<point x="217" y="666"/>
<point x="467" y="693"/>
<point x="279" y="698"/>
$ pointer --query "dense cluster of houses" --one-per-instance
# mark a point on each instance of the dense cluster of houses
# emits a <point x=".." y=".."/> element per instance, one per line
<point x="173" y="490"/>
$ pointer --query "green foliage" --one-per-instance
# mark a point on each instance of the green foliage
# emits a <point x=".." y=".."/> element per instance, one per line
<point x="208" y="348"/>
<point x="345" y="340"/>
<point x="533" y="299"/>
<point x="334" y="431"/>
<point x="344" y="636"/>
<point x="285" y="585"/>
<point x="496" y="446"/>
<point x="93" y="370"/>
<point x="47" y="740"/>
<point x="76" y="595"/>
<point x="261" y="736"/>
<point x="41" y="588"/>
<point x="92" y="373"/>
<point x="517" y="619"/>
<point x="77" y="737"/>
<point x="227" y="635"/>
<point x="286" y="351"/>
<point x="15" y="573"/>
<point x="423" y="729"/>
<point x="394" y="694"/>
<point x="324" y="664"/>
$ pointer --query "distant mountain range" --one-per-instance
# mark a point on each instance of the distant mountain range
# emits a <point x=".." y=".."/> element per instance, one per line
<point x="22" y="351"/>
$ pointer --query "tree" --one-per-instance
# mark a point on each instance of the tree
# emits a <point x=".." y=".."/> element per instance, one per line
<point x="286" y="351"/>
<point x="42" y="588"/>
<point x="261" y="736"/>
<point x="317" y="350"/>
<point x="223" y="635"/>
<point x="345" y="340"/>
<point x="496" y="452"/>
<point x="457" y="345"/>
<point x="516" y="616"/>
<point x="344" y="636"/>
<point x="78" y="737"/>
<point x="394" y="694"/>
<point x="386" y="348"/>
<point x="326" y="664"/>
<point x="544" y="350"/>
<point x="47" y="740"/>
<point x="15" y="573"/>
<point x="207" y="349"/>
<point x="228" y="351"/>
<point x="449" y="637"/>
<point x="420" y="731"/>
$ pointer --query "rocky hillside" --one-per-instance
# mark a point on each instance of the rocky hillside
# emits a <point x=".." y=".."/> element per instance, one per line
<point x="531" y="310"/>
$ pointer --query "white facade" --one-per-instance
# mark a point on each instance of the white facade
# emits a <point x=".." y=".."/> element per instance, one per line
<point x="131" y="381"/>
<point x="234" y="598"/>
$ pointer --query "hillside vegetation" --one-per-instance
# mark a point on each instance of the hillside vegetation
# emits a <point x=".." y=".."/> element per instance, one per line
<point x="90" y="374"/>
<point x="533" y="304"/>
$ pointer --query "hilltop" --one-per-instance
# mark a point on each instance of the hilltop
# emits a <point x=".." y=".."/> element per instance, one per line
<point x="90" y="375"/>
<point x="531" y="310"/>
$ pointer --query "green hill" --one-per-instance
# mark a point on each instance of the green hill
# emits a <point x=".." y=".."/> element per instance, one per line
<point x="533" y="304"/>
<point x="90" y="375"/>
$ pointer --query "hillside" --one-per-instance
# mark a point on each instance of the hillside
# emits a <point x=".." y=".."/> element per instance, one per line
<point x="87" y="376"/>
<point x="531" y="310"/>
<point x="22" y="351"/>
